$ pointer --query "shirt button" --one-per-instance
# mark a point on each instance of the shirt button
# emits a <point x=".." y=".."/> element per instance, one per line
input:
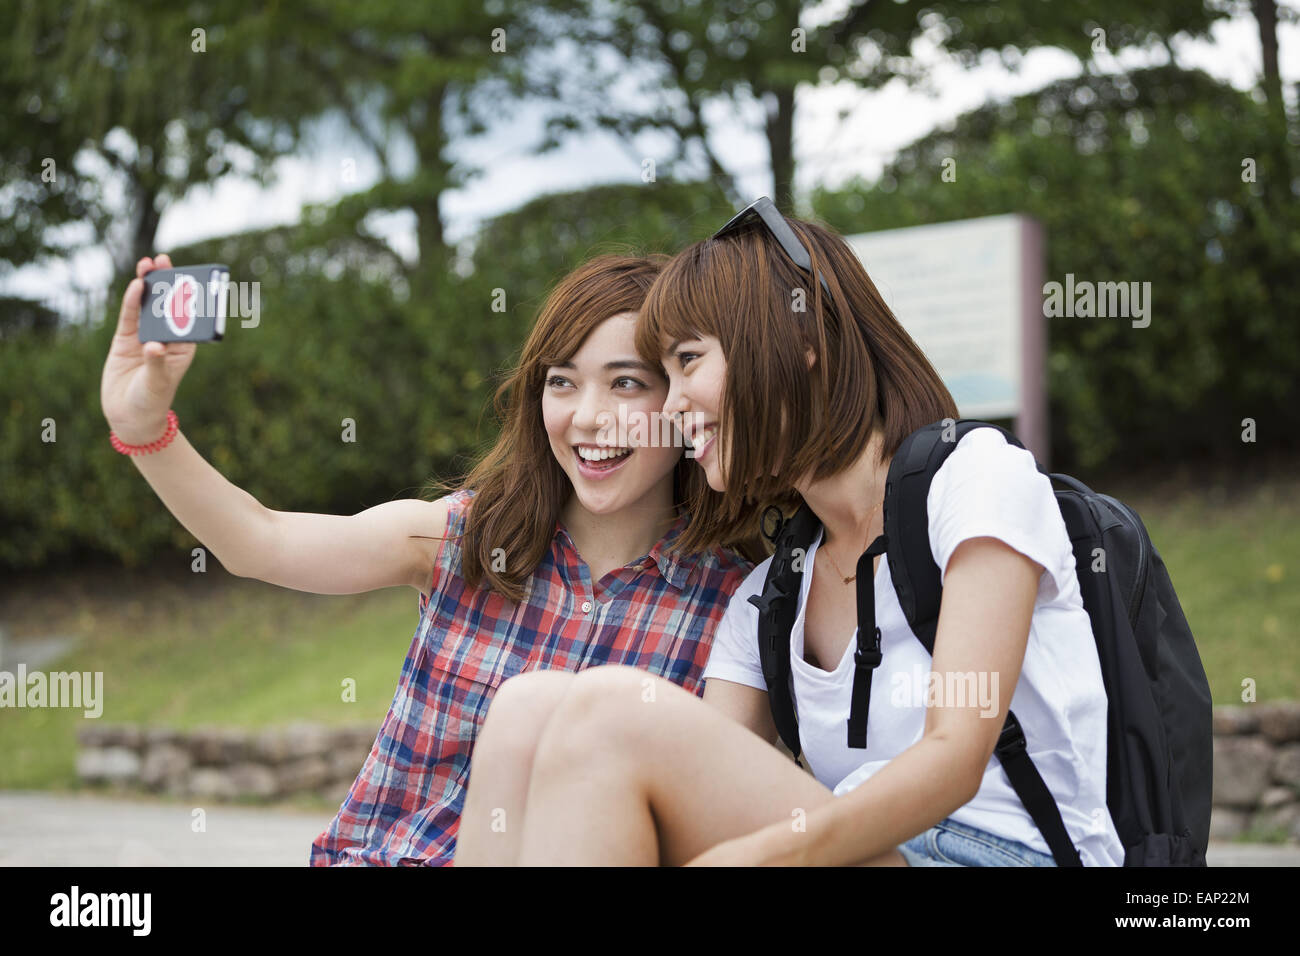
<point x="586" y="607"/>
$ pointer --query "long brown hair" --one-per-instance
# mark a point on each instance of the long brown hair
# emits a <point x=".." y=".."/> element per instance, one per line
<point x="768" y="314"/>
<point x="519" y="487"/>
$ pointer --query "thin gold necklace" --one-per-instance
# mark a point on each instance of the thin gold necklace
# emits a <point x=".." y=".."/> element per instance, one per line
<point x="849" y="579"/>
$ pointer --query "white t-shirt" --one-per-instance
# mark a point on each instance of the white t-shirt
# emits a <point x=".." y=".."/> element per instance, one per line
<point x="986" y="488"/>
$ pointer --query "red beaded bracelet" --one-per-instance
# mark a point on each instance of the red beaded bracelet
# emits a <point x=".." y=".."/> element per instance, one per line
<point x="173" y="426"/>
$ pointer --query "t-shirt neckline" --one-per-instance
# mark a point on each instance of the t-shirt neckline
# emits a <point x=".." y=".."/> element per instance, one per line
<point x="797" y="632"/>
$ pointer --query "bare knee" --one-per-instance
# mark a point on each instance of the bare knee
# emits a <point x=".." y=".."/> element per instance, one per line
<point x="520" y="709"/>
<point x="603" y="710"/>
<point x="608" y="696"/>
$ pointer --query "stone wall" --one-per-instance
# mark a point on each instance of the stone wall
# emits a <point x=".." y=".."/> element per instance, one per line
<point x="222" y="763"/>
<point x="1256" y="764"/>
<point x="1256" y="771"/>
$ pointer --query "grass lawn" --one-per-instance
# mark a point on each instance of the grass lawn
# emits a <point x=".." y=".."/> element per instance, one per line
<point x="187" y="649"/>
<point x="1233" y="554"/>
<point x="217" y="651"/>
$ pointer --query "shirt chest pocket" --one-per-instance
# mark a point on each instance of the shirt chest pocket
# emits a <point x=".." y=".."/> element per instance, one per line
<point x="439" y="719"/>
<point x="474" y="644"/>
<point x="463" y="663"/>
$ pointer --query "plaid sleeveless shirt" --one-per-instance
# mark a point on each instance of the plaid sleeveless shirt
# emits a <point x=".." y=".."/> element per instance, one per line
<point x="658" y="613"/>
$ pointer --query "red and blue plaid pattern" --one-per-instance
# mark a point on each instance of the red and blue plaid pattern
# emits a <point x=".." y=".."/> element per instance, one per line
<point x="658" y="613"/>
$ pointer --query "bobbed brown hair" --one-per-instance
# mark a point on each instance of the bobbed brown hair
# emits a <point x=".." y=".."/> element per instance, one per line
<point x="783" y="420"/>
<point x="519" y="487"/>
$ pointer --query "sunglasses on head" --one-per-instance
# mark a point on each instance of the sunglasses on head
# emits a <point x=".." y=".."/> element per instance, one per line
<point x="764" y="210"/>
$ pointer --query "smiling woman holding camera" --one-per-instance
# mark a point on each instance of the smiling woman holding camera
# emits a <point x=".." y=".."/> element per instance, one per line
<point x="558" y="552"/>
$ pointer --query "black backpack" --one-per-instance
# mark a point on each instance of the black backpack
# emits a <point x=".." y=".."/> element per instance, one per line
<point x="1159" y="745"/>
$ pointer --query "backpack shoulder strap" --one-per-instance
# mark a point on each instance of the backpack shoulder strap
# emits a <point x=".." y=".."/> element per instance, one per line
<point x="918" y="586"/>
<point x="907" y="519"/>
<point x="777" y="606"/>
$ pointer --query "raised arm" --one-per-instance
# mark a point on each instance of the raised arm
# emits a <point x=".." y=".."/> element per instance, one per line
<point x="390" y="544"/>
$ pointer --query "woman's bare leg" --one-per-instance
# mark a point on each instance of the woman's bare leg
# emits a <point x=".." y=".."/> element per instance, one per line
<point x="632" y="769"/>
<point x="491" y="823"/>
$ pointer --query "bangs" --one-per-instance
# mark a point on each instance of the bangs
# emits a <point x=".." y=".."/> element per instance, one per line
<point x="601" y="288"/>
<point x="683" y="303"/>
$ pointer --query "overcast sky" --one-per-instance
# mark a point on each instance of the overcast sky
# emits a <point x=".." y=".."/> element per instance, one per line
<point x="828" y="151"/>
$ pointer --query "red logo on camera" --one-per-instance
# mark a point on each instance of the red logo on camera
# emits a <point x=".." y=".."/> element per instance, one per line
<point x="180" y="303"/>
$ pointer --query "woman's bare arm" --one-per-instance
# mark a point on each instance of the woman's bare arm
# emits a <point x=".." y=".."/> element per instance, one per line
<point x="390" y="544"/>
<point x="747" y="706"/>
<point x="984" y="617"/>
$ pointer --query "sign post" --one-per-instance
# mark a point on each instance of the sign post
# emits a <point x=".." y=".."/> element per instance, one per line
<point x="970" y="293"/>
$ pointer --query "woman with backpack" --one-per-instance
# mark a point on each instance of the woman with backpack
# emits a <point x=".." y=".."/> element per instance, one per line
<point x="561" y="550"/>
<point x="795" y="383"/>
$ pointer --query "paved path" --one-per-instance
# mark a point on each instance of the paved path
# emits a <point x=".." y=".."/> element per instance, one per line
<point x="34" y="652"/>
<point x="1252" y="854"/>
<point x="45" y="829"/>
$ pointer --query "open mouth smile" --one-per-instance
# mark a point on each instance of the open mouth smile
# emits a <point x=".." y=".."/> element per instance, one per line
<point x="701" y="440"/>
<point x="596" y="462"/>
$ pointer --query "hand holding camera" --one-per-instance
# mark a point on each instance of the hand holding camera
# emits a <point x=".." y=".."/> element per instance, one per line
<point x="144" y="367"/>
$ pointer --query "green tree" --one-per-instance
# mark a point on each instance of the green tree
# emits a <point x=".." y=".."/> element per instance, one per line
<point x="527" y="250"/>
<point x="672" y="66"/>
<point x="1150" y="176"/>
<point x="136" y="108"/>
<point x="115" y="109"/>
<point x="412" y="85"/>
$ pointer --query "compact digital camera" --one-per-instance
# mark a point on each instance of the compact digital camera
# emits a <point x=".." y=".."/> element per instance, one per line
<point x="185" y="305"/>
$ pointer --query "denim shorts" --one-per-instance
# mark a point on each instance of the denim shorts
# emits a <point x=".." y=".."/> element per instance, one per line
<point x="949" y="843"/>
